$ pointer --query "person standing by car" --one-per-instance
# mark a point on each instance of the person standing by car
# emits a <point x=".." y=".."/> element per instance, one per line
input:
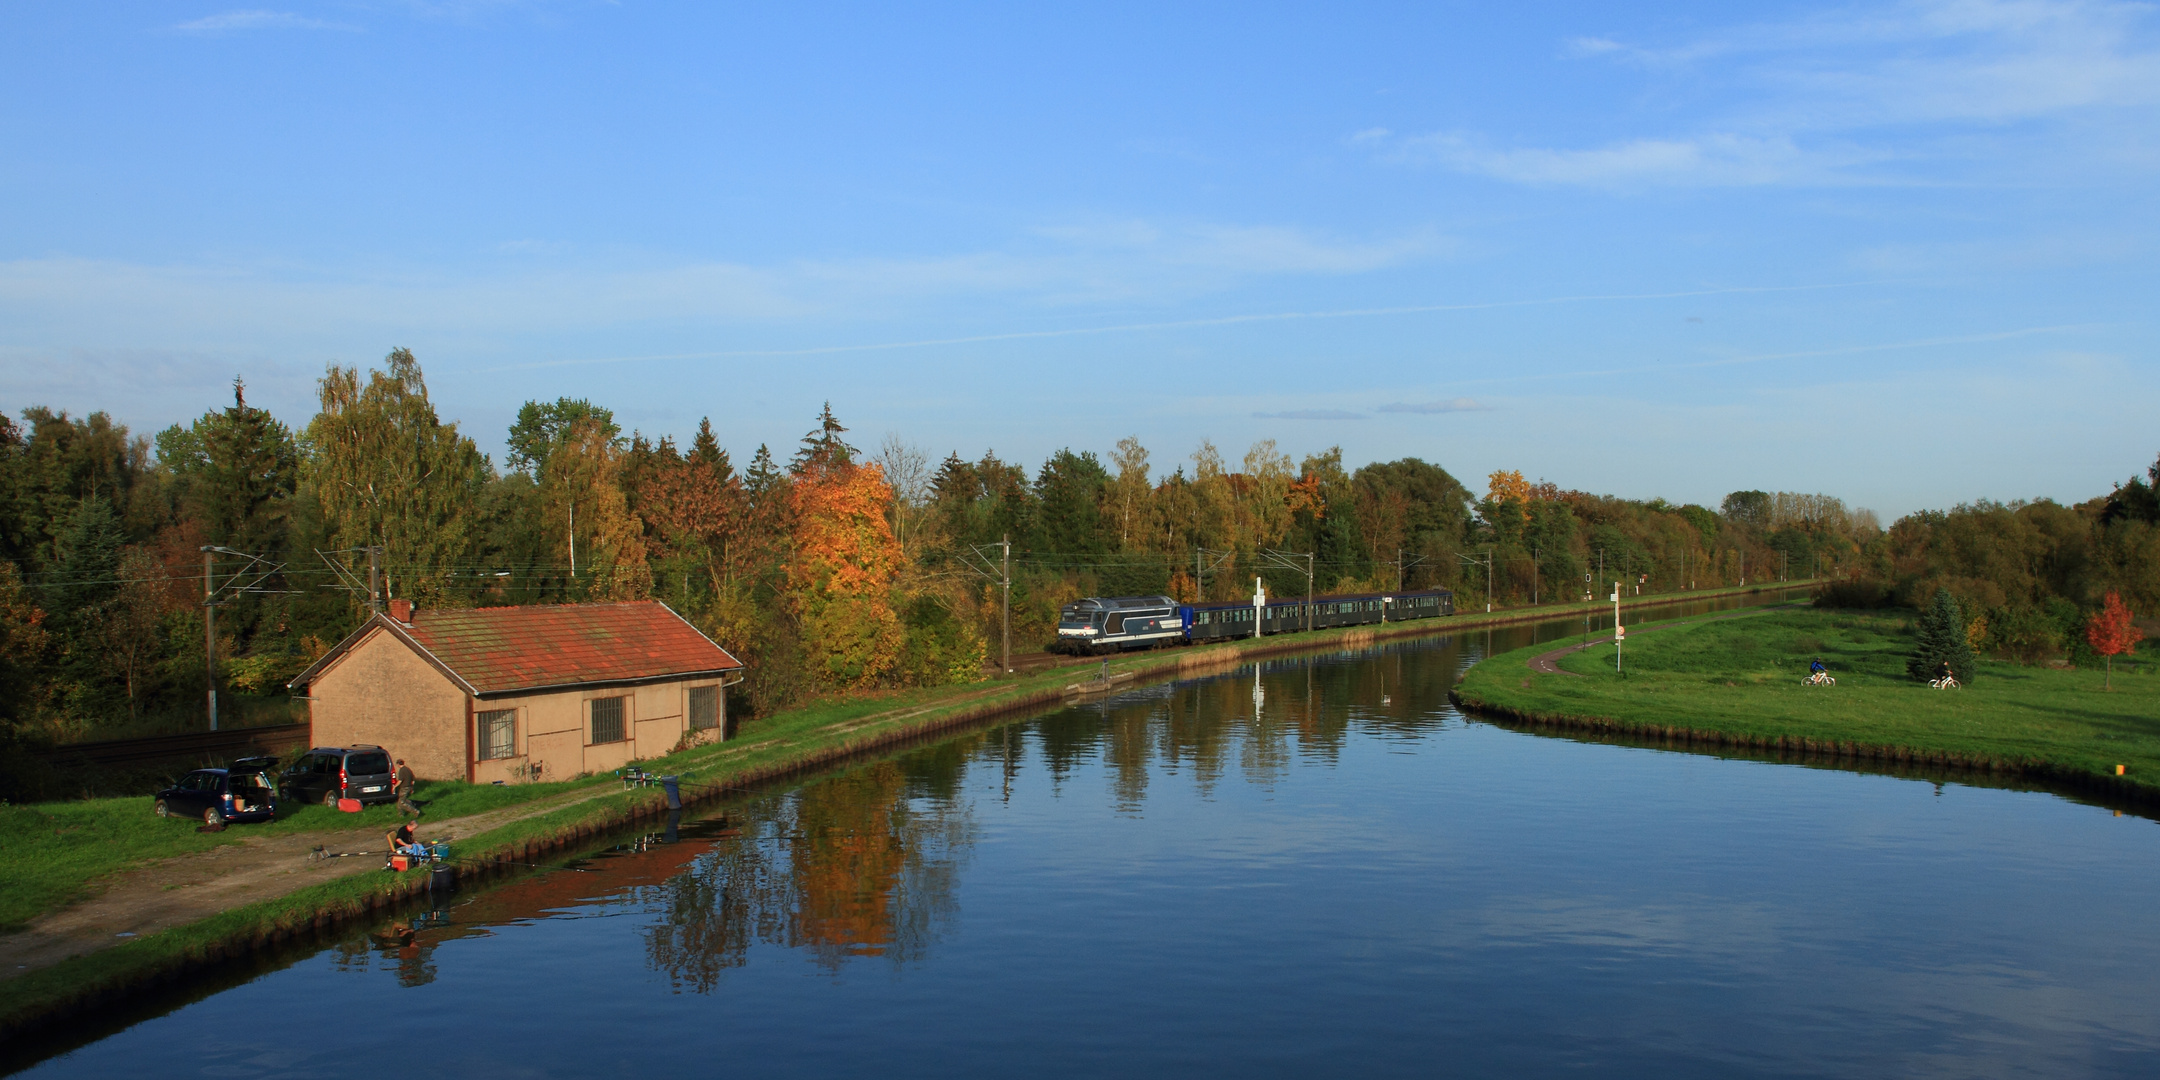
<point x="406" y="782"/>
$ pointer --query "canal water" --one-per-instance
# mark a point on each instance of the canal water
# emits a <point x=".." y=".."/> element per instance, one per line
<point x="1313" y="867"/>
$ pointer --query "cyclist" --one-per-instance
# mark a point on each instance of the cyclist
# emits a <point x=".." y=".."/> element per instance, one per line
<point x="1817" y="668"/>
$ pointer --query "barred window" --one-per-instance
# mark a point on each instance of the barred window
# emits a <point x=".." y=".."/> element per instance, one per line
<point x="498" y="734"/>
<point x="607" y="720"/>
<point x="704" y="707"/>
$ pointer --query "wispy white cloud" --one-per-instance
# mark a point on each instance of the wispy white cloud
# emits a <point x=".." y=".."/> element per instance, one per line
<point x="1709" y="161"/>
<point x="1859" y="95"/>
<point x="258" y="19"/>
<point x="1461" y="404"/>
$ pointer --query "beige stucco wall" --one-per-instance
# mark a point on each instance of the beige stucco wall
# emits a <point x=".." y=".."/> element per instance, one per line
<point x="384" y="693"/>
<point x="552" y="730"/>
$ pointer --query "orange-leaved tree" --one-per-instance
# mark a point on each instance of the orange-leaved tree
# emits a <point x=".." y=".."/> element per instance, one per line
<point x="2111" y="632"/>
<point x="841" y="571"/>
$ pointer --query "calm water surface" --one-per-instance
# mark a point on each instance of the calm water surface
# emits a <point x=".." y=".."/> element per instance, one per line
<point x="1316" y="867"/>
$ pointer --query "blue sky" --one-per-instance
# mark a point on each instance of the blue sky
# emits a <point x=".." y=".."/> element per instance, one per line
<point x="1902" y="253"/>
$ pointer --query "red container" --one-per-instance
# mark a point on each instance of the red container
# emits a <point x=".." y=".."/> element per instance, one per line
<point x="401" y="863"/>
<point x="350" y="806"/>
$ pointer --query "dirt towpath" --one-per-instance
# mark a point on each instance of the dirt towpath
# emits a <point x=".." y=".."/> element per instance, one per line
<point x="175" y="892"/>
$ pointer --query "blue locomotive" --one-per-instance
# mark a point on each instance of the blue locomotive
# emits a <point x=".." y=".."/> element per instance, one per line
<point x="1101" y="624"/>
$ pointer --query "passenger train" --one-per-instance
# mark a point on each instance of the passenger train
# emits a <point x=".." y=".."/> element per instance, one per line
<point x="1103" y="624"/>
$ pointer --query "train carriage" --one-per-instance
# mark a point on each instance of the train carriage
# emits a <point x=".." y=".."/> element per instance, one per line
<point x="1236" y="618"/>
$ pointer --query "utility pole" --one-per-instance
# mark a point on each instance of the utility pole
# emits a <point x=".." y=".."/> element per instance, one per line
<point x="209" y="626"/>
<point x="1288" y="561"/>
<point x="249" y="578"/>
<point x="1486" y="562"/>
<point x="1259" y="606"/>
<point x="1586" y="609"/>
<point x="1619" y="632"/>
<point x="976" y="560"/>
<point x="1533" y="577"/>
<point x="1308" y="590"/>
<point x="374" y="580"/>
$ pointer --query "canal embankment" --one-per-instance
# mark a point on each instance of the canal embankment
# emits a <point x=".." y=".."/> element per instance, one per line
<point x="510" y="833"/>
<point x="1740" y="682"/>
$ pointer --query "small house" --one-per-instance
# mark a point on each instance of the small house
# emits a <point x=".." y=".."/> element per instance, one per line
<point x="521" y="693"/>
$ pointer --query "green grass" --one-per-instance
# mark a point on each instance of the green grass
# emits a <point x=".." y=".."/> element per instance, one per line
<point x="1743" y="676"/>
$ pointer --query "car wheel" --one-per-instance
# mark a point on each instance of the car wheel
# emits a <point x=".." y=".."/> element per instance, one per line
<point x="161" y="810"/>
<point x="213" y="818"/>
<point x="329" y="798"/>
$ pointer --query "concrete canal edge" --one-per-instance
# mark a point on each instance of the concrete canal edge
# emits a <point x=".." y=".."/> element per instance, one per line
<point x="39" y="1000"/>
<point x="2117" y="790"/>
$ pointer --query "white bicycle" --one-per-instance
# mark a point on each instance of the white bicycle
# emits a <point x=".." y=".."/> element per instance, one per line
<point x="1947" y="682"/>
<point x="1820" y="678"/>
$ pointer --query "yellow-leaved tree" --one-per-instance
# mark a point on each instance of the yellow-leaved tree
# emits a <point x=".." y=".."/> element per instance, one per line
<point x="841" y="573"/>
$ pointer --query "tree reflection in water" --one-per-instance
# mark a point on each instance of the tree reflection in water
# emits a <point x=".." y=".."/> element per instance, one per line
<point x="861" y="864"/>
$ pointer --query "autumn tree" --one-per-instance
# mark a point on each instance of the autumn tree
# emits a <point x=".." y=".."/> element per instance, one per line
<point x="387" y="471"/>
<point x="580" y="484"/>
<point x="842" y="562"/>
<point x="697" y="505"/>
<point x="2111" y="633"/>
<point x="1129" y="493"/>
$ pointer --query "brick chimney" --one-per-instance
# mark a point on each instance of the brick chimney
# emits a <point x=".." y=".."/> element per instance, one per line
<point x="401" y="610"/>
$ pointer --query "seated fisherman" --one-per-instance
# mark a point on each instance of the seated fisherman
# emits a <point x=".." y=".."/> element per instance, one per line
<point x="403" y="842"/>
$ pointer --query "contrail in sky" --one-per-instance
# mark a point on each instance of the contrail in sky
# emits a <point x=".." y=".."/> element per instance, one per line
<point x="1226" y="320"/>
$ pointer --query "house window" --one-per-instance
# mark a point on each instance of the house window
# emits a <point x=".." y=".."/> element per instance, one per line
<point x="607" y="720"/>
<point x="498" y="734"/>
<point x="704" y="707"/>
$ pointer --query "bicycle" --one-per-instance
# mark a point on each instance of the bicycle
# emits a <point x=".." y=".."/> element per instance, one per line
<point x="1947" y="682"/>
<point x="1820" y="678"/>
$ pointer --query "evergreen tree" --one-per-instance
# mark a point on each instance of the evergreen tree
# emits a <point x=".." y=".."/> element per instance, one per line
<point x="1068" y="493"/>
<point x="823" y="448"/>
<point x="762" y="476"/>
<point x="236" y="471"/>
<point x="706" y="453"/>
<point x="1941" y="633"/>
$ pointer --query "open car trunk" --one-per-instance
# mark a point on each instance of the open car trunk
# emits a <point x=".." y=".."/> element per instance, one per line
<point x="252" y="784"/>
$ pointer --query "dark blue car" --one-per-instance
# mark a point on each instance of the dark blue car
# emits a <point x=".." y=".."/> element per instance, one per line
<point x="243" y="792"/>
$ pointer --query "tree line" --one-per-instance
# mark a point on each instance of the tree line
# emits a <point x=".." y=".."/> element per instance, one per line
<point x="834" y="570"/>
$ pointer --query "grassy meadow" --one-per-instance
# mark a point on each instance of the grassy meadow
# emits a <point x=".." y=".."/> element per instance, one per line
<point x="1743" y="675"/>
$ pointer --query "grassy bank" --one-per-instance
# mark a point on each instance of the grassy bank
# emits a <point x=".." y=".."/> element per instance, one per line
<point x="1739" y="680"/>
<point x="52" y="854"/>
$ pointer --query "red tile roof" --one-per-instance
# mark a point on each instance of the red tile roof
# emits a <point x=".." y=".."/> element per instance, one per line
<point x="498" y="650"/>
